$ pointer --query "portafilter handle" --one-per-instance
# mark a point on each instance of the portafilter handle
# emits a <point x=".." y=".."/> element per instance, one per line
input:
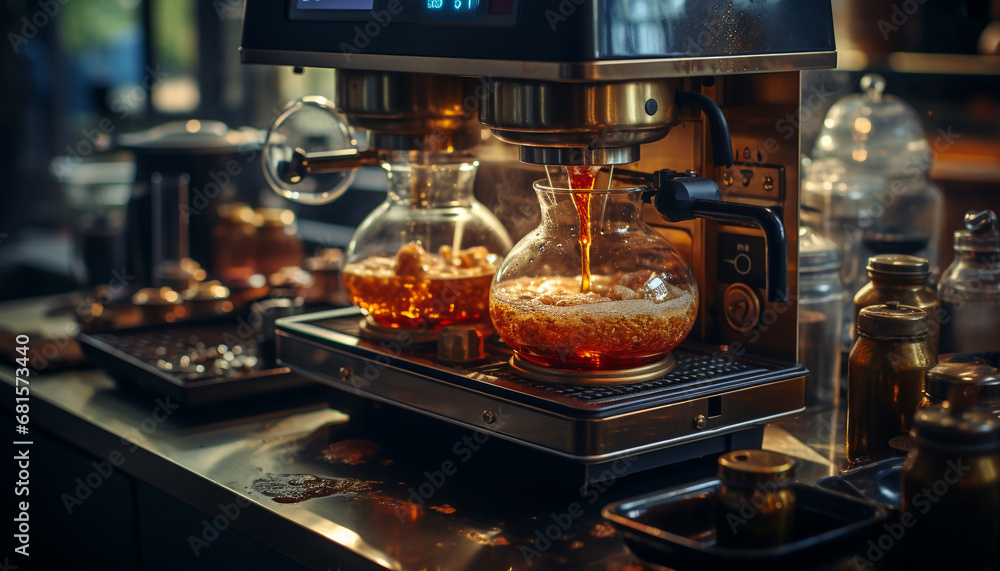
<point x="679" y="197"/>
<point x="311" y="154"/>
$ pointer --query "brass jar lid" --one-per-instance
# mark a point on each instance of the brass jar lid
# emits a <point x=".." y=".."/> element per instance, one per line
<point x="152" y="296"/>
<point x="275" y="217"/>
<point x="206" y="291"/>
<point x="892" y="321"/>
<point x="964" y="384"/>
<point x="755" y="466"/>
<point x="236" y="213"/>
<point x="901" y="265"/>
<point x="970" y="430"/>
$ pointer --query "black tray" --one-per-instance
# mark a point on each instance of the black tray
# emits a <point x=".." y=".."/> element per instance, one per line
<point x="130" y="355"/>
<point x="878" y="482"/>
<point x="676" y="527"/>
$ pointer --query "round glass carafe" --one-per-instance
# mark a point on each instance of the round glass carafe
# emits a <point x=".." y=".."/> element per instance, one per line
<point x="425" y="258"/>
<point x="641" y="303"/>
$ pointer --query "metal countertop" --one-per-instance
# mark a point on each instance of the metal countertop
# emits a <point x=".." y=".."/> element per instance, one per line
<point x="504" y="498"/>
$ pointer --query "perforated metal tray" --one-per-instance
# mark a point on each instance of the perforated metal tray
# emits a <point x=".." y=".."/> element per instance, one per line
<point x="709" y="393"/>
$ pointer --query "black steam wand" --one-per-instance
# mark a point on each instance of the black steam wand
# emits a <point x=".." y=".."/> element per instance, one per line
<point x="684" y="196"/>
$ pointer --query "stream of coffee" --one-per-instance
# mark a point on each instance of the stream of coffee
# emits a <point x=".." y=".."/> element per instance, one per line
<point x="581" y="182"/>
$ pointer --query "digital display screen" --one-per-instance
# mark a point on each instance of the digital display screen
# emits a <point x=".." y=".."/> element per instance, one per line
<point x="452" y="6"/>
<point x="336" y="4"/>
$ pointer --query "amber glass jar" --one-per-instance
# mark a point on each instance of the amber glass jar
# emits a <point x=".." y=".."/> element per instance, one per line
<point x="278" y="244"/>
<point x="234" y="241"/>
<point x="885" y="375"/>
<point x="950" y="492"/>
<point x="756" y="500"/>
<point x="896" y="277"/>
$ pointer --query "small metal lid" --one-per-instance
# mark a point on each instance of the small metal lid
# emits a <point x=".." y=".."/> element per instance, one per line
<point x="236" y="213"/>
<point x="980" y="234"/>
<point x="755" y="466"/>
<point x="275" y="217"/>
<point x="291" y="277"/>
<point x="326" y="260"/>
<point x="206" y="291"/>
<point x="963" y="384"/>
<point x="151" y="296"/>
<point x="893" y="265"/>
<point x="956" y="430"/>
<point x="892" y="321"/>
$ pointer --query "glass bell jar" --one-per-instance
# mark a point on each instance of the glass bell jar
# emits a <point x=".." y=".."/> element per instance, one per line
<point x="426" y="256"/>
<point x="593" y="293"/>
<point x="876" y="134"/>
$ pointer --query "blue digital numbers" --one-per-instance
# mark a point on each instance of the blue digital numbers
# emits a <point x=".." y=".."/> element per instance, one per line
<point x="453" y="6"/>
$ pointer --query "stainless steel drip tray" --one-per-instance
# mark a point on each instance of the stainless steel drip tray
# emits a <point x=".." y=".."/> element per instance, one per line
<point x="708" y="393"/>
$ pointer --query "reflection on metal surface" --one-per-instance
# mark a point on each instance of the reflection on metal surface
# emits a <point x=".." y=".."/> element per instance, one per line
<point x="554" y="71"/>
<point x="582" y="423"/>
<point x="599" y="115"/>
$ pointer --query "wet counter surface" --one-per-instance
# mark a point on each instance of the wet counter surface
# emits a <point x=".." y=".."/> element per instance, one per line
<point x="378" y="487"/>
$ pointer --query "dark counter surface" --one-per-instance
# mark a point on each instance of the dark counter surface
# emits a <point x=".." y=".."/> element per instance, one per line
<point x="420" y="494"/>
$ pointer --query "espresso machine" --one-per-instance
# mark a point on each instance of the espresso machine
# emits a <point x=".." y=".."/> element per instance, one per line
<point x="696" y="101"/>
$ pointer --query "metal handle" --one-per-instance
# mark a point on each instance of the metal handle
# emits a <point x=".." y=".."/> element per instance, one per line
<point x="303" y="163"/>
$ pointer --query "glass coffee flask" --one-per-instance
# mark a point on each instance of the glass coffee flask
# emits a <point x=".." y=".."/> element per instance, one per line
<point x="426" y="256"/>
<point x="593" y="289"/>
<point x="424" y="259"/>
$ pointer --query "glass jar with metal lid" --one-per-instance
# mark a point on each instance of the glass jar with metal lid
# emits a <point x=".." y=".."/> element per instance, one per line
<point x="902" y="278"/>
<point x="885" y="375"/>
<point x="756" y="500"/>
<point x="970" y="288"/>
<point x="950" y="491"/>
<point x="962" y="385"/>
<point x="820" y="317"/>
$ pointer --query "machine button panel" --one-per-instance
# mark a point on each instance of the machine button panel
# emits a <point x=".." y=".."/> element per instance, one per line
<point x="753" y="180"/>
<point x="742" y="259"/>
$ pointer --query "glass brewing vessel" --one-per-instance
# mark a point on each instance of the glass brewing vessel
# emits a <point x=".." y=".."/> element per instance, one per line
<point x="425" y="258"/>
<point x="593" y="288"/>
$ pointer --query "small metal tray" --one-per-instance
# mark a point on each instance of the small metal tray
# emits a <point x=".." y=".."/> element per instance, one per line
<point x="878" y="482"/>
<point x="130" y="357"/>
<point x="676" y="527"/>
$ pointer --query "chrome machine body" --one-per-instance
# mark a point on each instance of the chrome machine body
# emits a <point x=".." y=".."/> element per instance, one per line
<point x="609" y="82"/>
